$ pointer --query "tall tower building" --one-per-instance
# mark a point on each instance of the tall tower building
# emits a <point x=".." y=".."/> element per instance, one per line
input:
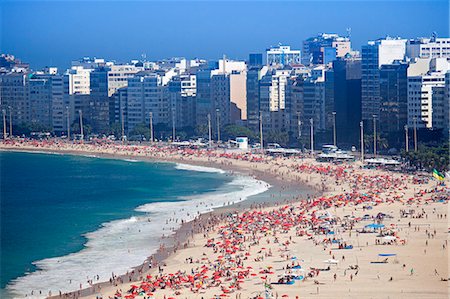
<point x="374" y="55"/>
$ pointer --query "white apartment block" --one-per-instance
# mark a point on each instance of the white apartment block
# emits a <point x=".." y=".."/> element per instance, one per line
<point x="342" y="46"/>
<point x="188" y="85"/>
<point x="420" y="99"/>
<point x="390" y="49"/>
<point x="428" y="48"/>
<point x="118" y="76"/>
<point x="277" y="100"/>
<point x="79" y="80"/>
<point x="420" y="93"/>
<point x="282" y="55"/>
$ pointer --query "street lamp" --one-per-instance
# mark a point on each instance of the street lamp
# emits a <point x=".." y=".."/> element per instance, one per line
<point x="173" y="124"/>
<point x="299" y="123"/>
<point x="311" y="121"/>
<point x="209" y="128"/>
<point x="374" y="135"/>
<point x="361" y="124"/>
<point x="151" y="126"/>
<point x="406" y="138"/>
<point x="218" y="125"/>
<point x="81" y="125"/>
<point x="261" y="132"/>
<point x="68" y="122"/>
<point x="10" y="122"/>
<point x="334" y="128"/>
<point x="415" y="133"/>
<point x="4" y="123"/>
<point x="123" y="124"/>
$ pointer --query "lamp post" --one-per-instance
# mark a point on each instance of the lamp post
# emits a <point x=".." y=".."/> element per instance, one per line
<point x="374" y="135"/>
<point x="81" y="125"/>
<point x="4" y="123"/>
<point x="218" y="125"/>
<point x="10" y="122"/>
<point x="311" y="121"/>
<point x="406" y="139"/>
<point x="151" y="126"/>
<point x="68" y="122"/>
<point x="209" y="129"/>
<point x="415" y="133"/>
<point x="261" y="132"/>
<point x="361" y="125"/>
<point x="334" y="128"/>
<point x="123" y="124"/>
<point x="173" y="125"/>
<point x="299" y="124"/>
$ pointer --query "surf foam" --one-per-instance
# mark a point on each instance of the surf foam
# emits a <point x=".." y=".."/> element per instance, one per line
<point x="122" y="244"/>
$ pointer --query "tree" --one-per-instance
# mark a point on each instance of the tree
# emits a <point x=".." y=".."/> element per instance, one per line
<point x="233" y="131"/>
<point x="428" y="157"/>
<point x="277" y="136"/>
<point x="382" y="143"/>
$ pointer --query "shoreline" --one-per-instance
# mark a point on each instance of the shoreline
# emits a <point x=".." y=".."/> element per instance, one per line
<point x="248" y="251"/>
<point x="183" y="233"/>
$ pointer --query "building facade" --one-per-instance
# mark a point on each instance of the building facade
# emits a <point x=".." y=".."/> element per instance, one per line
<point x="374" y="55"/>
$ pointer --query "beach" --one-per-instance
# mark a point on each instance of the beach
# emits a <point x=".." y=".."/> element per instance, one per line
<point x="365" y="233"/>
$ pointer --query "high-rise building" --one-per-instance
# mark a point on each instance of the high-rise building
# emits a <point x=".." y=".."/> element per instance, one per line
<point x="254" y="75"/>
<point x="220" y="96"/>
<point x="255" y="59"/>
<point x="238" y="96"/>
<point x="98" y="115"/>
<point x="314" y="104"/>
<point x="146" y="94"/>
<point x="182" y="90"/>
<point x="282" y="55"/>
<point x="221" y="92"/>
<point x="347" y="99"/>
<point x="79" y="80"/>
<point x="393" y="101"/>
<point x="421" y="86"/>
<point x="203" y="97"/>
<point x="120" y="98"/>
<point x="428" y="47"/>
<point x="14" y="97"/>
<point x="438" y="98"/>
<point x="40" y="101"/>
<point x="374" y="55"/>
<point x="272" y="99"/>
<point x="294" y="105"/>
<point x="324" y="48"/>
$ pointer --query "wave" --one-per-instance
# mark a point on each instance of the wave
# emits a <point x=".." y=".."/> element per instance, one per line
<point x="122" y="244"/>
<point x="131" y="160"/>
<point x="181" y="166"/>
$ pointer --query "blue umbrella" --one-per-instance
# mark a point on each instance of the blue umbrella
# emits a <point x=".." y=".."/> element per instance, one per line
<point x="375" y="225"/>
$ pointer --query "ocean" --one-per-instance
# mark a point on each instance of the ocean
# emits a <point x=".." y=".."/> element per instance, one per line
<point x="65" y="219"/>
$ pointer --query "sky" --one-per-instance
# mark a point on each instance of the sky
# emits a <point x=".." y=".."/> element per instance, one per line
<point x="53" y="33"/>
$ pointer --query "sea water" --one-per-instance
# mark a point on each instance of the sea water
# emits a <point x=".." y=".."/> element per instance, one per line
<point x="66" y="219"/>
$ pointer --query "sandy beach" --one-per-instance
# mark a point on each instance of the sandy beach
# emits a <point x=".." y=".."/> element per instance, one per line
<point x="362" y="233"/>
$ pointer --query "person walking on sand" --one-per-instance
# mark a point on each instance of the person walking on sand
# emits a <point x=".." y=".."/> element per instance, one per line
<point x="412" y="271"/>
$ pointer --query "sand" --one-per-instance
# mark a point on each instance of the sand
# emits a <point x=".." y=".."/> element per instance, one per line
<point x="417" y="269"/>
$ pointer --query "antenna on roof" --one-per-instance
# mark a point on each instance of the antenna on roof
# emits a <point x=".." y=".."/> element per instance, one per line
<point x="349" y="32"/>
<point x="433" y="36"/>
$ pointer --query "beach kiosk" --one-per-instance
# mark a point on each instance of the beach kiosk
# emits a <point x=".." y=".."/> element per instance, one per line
<point x="242" y="142"/>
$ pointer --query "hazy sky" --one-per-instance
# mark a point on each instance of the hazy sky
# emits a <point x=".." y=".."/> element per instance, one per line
<point x="47" y="33"/>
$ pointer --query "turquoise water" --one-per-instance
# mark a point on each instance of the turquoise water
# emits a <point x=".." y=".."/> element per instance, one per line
<point x="49" y="202"/>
